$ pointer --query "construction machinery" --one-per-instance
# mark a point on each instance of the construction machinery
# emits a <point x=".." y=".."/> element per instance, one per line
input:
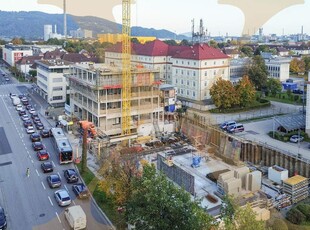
<point x="126" y="67"/>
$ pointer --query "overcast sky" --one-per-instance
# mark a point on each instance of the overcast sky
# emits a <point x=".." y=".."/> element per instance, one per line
<point x="176" y="15"/>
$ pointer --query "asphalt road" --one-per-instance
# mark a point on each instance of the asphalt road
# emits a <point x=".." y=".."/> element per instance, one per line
<point x="257" y="131"/>
<point x="28" y="201"/>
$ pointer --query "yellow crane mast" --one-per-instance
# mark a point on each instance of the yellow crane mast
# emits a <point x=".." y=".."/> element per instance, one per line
<point x="126" y="67"/>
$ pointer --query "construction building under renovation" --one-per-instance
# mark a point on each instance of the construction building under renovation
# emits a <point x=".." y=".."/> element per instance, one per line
<point x="96" y="96"/>
<point x="296" y="187"/>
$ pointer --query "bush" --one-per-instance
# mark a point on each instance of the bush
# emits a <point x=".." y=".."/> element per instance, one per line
<point x="279" y="224"/>
<point x="295" y="216"/>
<point x="305" y="209"/>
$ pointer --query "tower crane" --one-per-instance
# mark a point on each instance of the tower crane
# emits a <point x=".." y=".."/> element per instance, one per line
<point x="126" y="67"/>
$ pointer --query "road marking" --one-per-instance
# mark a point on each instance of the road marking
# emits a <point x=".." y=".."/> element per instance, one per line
<point x="66" y="188"/>
<point x="37" y="172"/>
<point x="58" y="217"/>
<point x="43" y="185"/>
<point x="59" y="175"/>
<point x="73" y="202"/>
<point x="32" y="161"/>
<point x="29" y="156"/>
<point x="50" y="201"/>
<point x="54" y="164"/>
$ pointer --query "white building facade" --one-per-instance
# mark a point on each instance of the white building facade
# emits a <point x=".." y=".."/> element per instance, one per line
<point x="308" y="107"/>
<point x="278" y="68"/>
<point x="51" y="81"/>
<point x="12" y="53"/>
<point x="195" y="70"/>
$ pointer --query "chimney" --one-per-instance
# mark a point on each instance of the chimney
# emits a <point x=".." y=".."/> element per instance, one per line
<point x="65" y="20"/>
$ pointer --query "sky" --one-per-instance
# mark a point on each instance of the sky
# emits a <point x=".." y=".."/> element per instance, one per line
<point x="176" y="15"/>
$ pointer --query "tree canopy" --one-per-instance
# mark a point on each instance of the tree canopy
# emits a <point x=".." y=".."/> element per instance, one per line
<point x="157" y="203"/>
<point x="273" y="86"/>
<point x="297" y="66"/>
<point x="224" y="94"/>
<point x="257" y="72"/>
<point x="245" y="91"/>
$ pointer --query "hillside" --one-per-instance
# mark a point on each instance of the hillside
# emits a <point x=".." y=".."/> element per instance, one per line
<point x="30" y="25"/>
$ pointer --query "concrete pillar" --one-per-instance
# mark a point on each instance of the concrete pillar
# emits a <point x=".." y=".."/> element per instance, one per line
<point x="291" y="170"/>
<point x="277" y="158"/>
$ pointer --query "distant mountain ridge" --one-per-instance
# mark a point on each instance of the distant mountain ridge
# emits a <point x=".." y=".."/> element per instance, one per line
<point x="30" y="25"/>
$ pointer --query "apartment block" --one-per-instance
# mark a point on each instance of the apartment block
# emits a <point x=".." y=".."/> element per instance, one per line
<point x="296" y="187"/>
<point x="96" y="95"/>
<point x="52" y="84"/>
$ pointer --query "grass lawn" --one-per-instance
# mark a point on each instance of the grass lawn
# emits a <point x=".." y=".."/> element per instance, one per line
<point x="107" y="205"/>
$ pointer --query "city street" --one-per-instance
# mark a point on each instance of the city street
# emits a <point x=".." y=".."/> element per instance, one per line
<point x="28" y="201"/>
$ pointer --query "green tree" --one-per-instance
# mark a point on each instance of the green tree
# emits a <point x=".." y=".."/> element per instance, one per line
<point x="244" y="218"/>
<point x="295" y="216"/>
<point x="247" y="51"/>
<point x="135" y="40"/>
<point x="297" y="66"/>
<point x="224" y="94"/>
<point x="279" y="224"/>
<point x="305" y="209"/>
<point x="306" y="60"/>
<point x="261" y="48"/>
<point x="184" y="42"/>
<point x="246" y="91"/>
<point x="228" y="209"/>
<point x="213" y="44"/>
<point x="171" y="42"/>
<point x="273" y="86"/>
<point x="257" y="72"/>
<point x="156" y="203"/>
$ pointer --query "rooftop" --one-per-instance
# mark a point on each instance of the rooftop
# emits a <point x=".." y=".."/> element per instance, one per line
<point x="54" y="63"/>
<point x="295" y="180"/>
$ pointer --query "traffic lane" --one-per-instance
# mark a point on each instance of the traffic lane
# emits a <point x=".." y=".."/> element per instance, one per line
<point x="22" y="205"/>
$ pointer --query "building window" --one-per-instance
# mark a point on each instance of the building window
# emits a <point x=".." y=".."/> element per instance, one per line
<point x="182" y="82"/>
<point x="57" y="79"/>
<point x="187" y="82"/>
<point x="176" y="81"/>
<point x="59" y="88"/>
<point x="117" y="121"/>
<point x="194" y="84"/>
<point x="214" y="73"/>
<point x="187" y="72"/>
<point x="223" y="71"/>
<point x="176" y="71"/>
<point x="194" y="94"/>
<point x="181" y="91"/>
<point x="194" y="73"/>
<point x="206" y="63"/>
<point x="206" y="73"/>
<point x="57" y="98"/>
<point x="187" y="92"/>
<point x="214" y="63"/>
<point x="206" y="83"/>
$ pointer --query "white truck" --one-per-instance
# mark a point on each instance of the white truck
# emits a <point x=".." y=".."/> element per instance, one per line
<point x="15" y="100"/>
<point x="76" y="217"/>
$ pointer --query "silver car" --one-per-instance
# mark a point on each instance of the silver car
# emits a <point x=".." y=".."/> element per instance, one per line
<point x="62" y="197"/>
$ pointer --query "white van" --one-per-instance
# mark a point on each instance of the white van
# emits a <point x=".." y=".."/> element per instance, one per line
<point x="76" y="217"/>
<point x="16" y="101"/>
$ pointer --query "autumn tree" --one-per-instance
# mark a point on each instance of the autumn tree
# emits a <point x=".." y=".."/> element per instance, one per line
<point x="273" y="86"/>
<point x="17" y="41"/>
<point x="224" y="94"/>
<point x="297" y="66"/>
<point x="247" y="51"/>
<point x="306" y="60"/>
<point x="156" y="203"/>
<point x="245" y="91"/>
<point x="118" y="172"/>
<point x="257" y="72"/>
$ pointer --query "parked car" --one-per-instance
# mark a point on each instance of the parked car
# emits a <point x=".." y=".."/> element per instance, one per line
<point x="36" y="120"/>
<point x="28" y="107"/>
<point x="22" y="112"/>
<point x="19" y="107"/>
<point x="35" y="114"/>
<point x="235" y="128"/>
<point x="43" y="155"/>
<point x="25" y="118"/>
<point x="62" y="197"/>
<point x="80" y="190"/>
<point x="53" y="181"/>
<point x="226" y="124"/>
<point x="3" y="223"/>
<point x="298" y="91"/>
<point x="27" y="123"/>
<point x="30" y="129"/>
<point x="45" y="133"/>
<point x="35" y="137"/>
<point x="39" y="126"/>
<point x="31" y="110"/>
<point x="13" y="95"/>
<point x="296" y="138"/>
<point x="71" y="176"/>
<point x="47" y="167"/>
<point x="37" y="146"/>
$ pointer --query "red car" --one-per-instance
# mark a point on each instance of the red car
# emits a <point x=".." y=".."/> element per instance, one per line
<point x="43" y="155"/>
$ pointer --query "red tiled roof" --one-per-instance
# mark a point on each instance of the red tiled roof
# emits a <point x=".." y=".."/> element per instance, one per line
<point x="28" y="60"/>
<point x="201" y="52"/>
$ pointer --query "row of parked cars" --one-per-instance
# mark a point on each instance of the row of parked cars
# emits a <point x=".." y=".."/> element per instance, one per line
<point x="31" y="121"/>
<point x="232" y="127"/>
